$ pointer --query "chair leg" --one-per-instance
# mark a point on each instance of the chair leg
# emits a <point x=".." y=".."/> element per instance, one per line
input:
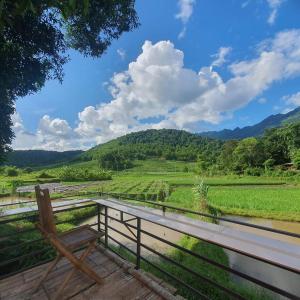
<point x="75" y="261"/>
<point x="50" y="268"/>
<point x="70" y="274"/>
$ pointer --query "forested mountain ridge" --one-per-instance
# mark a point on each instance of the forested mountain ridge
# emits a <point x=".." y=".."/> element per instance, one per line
<point x="36" y="158"/>
<point x="162" y="143"/>
<point x="256" y="130"/>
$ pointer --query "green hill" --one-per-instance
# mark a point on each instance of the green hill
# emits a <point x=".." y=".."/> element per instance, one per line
<point x="256" y="130"/>
<point x="37" y="158"/>
<point x="170" y="144"/>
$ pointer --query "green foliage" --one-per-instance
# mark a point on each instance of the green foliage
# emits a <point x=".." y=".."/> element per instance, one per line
<point x="201" y="195"/>
<point x="253" y="171"/>
<point x="35" y="158"/>
<point x="266" y="202"/>
<point x="45" y="175"/>
<point x="34" y="38"/>
<point x="115" y="160"/>
<point x="269" y="163"/>
<point x="248" y="153"/>
<point x="227" y="158"/>
<point x="202" y="164"/>
<point x="168" y="144"/>
<point x="11" y="171"/>
<point x="76" y="174"/>
<point x="250" y="156"/>
<point x="28" y="170"/>
<point x="137" y="189"/>
<point x="296" y="159"/>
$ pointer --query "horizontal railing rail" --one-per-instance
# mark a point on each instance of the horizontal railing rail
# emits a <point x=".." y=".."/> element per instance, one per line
<point x="165" y="207"/>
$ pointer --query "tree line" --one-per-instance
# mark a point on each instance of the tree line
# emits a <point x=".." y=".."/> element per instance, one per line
<point x="278" y="147"/>
<point x="275" y="149"/>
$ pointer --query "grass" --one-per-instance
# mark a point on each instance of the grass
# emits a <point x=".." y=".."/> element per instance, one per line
<point x="281" y="203"/>
<point x="273" y="202"/>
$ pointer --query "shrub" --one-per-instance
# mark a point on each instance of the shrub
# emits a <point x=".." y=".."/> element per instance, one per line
<point x="185" y="169"/>
<point x="269" y="164"/>
<point x="28" y="170"/>
<point x="45" y="175"/>
<point x="296" y="159"/>
<point x="11" y="171"/>
<point x="253" y="171"/>
<point x="76" y="174"/>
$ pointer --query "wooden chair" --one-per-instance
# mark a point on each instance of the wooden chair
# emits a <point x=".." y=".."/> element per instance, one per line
<point x="66" y="243"/>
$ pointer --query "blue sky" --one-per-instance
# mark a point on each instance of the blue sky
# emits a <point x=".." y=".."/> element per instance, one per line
<point x="247" y="53"/>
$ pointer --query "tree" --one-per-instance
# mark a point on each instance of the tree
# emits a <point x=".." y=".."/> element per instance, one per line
<point x="115" y="160"/>
<point x="269" y="164"/>
<point x="202" y="164"/>
<point x="248" y="153"/>
<point x="296" y="159"/>
<point x="226" y="157"/>
<point x="34" y="38"/>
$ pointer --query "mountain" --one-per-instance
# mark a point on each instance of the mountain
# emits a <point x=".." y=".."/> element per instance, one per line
<point x="162" y="143"/>
<point x="36" y="158"/>
<point x="257" y="129"/>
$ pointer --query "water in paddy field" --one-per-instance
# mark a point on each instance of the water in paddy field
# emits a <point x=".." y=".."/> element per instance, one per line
<point x="273" y="275"/>
<point x="14" y="199"/>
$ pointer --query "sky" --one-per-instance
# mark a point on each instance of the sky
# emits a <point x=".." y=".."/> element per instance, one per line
<point x="195" y="65"/>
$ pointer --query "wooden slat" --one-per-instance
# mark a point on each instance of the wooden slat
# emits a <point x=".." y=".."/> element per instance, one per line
<point x="117" y="284"/>
<point x="57" y="205"/>
<point x="270" y="250"/>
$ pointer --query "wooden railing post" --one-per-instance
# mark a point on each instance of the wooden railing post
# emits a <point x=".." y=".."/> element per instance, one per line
<point x="106" y="226"/>
<point x="98" y="216"/>
<point x="138" y="243"/>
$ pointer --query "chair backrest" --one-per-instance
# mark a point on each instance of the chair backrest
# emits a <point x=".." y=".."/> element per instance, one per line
<point x="46" y="216"/>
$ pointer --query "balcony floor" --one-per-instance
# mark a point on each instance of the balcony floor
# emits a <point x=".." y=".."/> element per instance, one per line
<point x="118" y="283"/>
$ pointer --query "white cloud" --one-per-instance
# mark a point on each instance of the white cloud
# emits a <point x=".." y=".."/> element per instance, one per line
<point x="122" y="53"/>
<point x="186" y="8"/>
<point x="23" y="139"/>
<point x="51" y="134"/>
<point x="221" y="56"/>
<point x="293" y="99"/>
<point x="262" y="100"/>
<point x="158" y="91"/>
<point x="274" y="6"/>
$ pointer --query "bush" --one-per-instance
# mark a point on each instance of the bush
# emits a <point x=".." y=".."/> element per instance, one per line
<point x="28" y="170"/>
<point x="296" y="160"/>
<point x="74" y="174"/>
<point x="185" y="169"/>
<point x="45" y="175"/>
<point x="11" y="171"/>
<point x="253" y="171"/>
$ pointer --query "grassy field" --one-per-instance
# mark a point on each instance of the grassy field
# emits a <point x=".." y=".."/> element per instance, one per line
<point x="281" y="203"/>
<point x="268" y="197"/>
<point x="272" y="202"/>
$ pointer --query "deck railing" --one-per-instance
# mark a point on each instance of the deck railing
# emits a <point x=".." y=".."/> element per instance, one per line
<point x="19" y="254"/>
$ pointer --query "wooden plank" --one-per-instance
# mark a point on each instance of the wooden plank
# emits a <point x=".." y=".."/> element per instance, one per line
<point x="270" y="250"/>
<point x="56" y="206"/>
<point x="117" y="283"/>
